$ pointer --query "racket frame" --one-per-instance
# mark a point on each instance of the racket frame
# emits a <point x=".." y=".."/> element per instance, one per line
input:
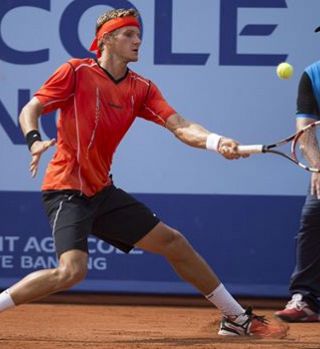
<point x="260" y="148"/>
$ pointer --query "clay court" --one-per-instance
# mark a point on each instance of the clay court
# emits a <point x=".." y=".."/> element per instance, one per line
<point x="58" y="325"/>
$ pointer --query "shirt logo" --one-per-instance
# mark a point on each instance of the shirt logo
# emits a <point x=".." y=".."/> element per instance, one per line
<point x="112" y="105"/>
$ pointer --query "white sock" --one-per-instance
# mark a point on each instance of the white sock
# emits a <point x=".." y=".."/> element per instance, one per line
<point x="223" y="300"/>
<point x="6" y="301"/>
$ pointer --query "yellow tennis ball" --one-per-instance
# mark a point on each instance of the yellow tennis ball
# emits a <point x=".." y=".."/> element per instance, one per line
<point x="284" y="70"/>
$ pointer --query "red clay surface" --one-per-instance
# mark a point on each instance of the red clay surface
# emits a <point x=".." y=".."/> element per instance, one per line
<point x="60" y="326"/>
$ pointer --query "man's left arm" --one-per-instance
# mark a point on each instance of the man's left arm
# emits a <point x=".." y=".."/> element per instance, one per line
<point x="197" y="136"/>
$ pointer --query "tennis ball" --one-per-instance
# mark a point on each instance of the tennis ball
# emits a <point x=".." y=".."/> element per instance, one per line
<point x="284" y="70"/>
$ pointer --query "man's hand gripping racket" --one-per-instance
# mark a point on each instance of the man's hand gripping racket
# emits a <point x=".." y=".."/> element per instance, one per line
<point x="304" y="148"/>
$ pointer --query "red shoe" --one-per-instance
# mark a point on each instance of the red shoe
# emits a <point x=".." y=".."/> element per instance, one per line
<point x="297" y="311"/>
<point x="249" y="324"/>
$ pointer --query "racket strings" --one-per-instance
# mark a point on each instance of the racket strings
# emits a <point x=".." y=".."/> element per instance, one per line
<point x="306" y="148"/>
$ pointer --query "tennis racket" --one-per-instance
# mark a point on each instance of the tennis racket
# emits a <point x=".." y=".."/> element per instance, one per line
<point x="304" y="149"/>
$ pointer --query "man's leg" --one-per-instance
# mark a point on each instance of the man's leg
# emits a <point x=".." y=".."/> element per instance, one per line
<point x="190" y="266"/>
<point x="71" y="270"/>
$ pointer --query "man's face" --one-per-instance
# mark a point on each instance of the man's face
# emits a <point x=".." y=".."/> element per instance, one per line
<point x="125" y="43"/>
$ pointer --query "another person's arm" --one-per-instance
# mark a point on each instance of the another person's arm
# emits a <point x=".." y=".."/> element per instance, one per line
<point x="307" y="113"/>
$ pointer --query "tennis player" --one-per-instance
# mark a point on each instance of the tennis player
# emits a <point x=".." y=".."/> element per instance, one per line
<point x="304" y="287"/>
<point x="99" y="99"/>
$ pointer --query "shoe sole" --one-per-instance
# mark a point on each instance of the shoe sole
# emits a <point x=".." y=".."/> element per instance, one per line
<point x="277" y="333"/>
<point x="288" y="319"/>
<point x="228" y="334"/>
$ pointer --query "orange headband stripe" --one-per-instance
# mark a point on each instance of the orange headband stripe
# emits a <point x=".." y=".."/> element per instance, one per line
<point x="112" y="25"/>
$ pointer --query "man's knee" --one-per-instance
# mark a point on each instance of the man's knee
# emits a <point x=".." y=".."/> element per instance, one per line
<point x="174" y="245"/>
<point x="69" y="276"/>
<point x="72" y="269"/>
<point x="165" y="241"/>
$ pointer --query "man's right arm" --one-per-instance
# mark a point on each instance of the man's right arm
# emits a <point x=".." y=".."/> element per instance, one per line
<point x="28" y="120"/>
<point x="29" y="115"/>
<point x="51" y="96"/>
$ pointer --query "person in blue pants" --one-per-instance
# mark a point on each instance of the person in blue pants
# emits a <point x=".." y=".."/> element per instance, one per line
<point x="304" y="287"/>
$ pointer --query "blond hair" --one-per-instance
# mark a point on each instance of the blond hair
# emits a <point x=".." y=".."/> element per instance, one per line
<point x="115" y="13"/>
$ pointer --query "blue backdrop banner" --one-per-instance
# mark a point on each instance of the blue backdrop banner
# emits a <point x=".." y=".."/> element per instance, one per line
<point x="248" y="240"/>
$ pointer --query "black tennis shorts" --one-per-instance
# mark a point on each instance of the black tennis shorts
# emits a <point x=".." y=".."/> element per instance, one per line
<point x="112" y="215"/>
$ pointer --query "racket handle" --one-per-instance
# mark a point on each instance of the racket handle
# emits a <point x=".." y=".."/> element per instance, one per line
<point x="250" y="149"/>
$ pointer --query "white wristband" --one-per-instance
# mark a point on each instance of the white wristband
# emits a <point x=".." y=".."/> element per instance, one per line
<point x="212" y="142"/>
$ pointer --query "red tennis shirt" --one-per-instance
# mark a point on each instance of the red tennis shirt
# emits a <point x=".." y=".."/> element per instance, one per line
<point x="95" y="113"/>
